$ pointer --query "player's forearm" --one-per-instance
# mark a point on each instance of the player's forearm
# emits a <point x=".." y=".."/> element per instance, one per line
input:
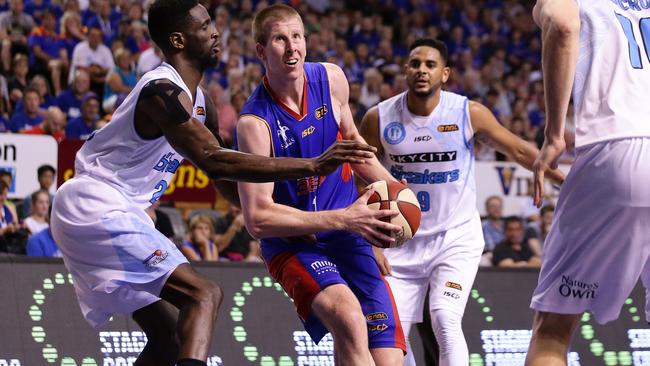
<point x="372" y="171"/>
<point x="525" y="154"/>
<point x="284" y="221"/>
<point x="560" y="32"/>
<point x="233" y="165"/>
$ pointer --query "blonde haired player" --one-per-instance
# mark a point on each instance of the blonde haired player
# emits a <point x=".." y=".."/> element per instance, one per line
<point x="426" y="137"/>
<point x="598" y="246"/>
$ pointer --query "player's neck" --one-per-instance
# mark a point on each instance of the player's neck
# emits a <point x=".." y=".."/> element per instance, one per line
<point x="422" y="106"/>
<point x="288" y="91"/>
<point x="190" y="72"/>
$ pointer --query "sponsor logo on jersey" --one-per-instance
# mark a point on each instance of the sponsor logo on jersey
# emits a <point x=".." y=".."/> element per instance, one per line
<point x="570" y="287"/>
<point x="308" y="131"/>
<point x="155" y="258"/>
<point x="322" y="267"/>
<point x="377" y="328"/>
<point x="422" y="138"/>
<point x="376" y="316"/>
<point x="200" y="111"/>
<point x="320" y="112"/>
<point x="394" y="133"/>
<point x="448" y="128"/>
<point x="282" y="134"/>
<point x="454" y="285"/>
<point x="506" y="175"/>
<point x="309" y="184"/>
<point x="427" y="157"/>
<point x="426" y="176"/>
<point x="167" y="163"/>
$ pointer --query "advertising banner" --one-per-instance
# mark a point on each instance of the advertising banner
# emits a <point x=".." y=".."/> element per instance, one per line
<point x="21" y="155"/>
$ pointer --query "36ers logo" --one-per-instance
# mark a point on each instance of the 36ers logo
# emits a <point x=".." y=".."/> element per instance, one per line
<point x="155" y="258"/>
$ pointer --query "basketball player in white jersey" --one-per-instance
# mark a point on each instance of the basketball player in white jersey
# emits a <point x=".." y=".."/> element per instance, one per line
<point x="599" y="244"/>
<point x="426" y="136"/>
<point x="119" y="262"/>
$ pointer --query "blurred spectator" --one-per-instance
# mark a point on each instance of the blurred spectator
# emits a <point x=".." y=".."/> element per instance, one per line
<point x="53" y="125"/>
<point x="45" y="175"/>
<point x="47" y="51"/>
<point x="200" y="247"/>
<point x="46" y="99"/>
<point x="15" y="26"/>
<point x="232" y="239"/>
<point x="540" y="230"/>
<point x="42" y="245"/>
<point x="149" y="60"/>
<point x="70" y="100"/>
<point x="120" y="80"/>
<point x="93" y="56"/>
<point x="161" y="220"/>
<point x="71" y="30"/>
<point x="493" y="223"/>
<point x="38" y="220"/>
<point x="226" y="112"/>
<point x="106" y="20"/>
<point x="30" y="116"/>
<point x="514" y="251"/>
<point x="82" y="126"/>
<point x="12" y="234"/>
<point x="18" y="80"/>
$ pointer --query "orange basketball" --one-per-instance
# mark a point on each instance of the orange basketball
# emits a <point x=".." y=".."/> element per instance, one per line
<point x="398" y="197"/>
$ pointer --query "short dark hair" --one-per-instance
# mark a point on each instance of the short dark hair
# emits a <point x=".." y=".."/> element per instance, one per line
<point x="513" y="219"/>
<point x="45" y="168"/>
<point x="166" y="17"/>
<point x="433" y="43"/>
<point x="5" y="172"/>
<point x="31" y="89"/>
<point x="547" y="208"/>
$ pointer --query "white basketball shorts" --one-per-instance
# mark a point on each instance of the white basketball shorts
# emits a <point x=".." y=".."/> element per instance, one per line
<point x="119" y="262"/>
<point x="445" y="263"/>
<point x="599" y="243"/>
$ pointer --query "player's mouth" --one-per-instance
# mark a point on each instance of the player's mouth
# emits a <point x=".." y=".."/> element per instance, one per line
<point x="291" y="62"/>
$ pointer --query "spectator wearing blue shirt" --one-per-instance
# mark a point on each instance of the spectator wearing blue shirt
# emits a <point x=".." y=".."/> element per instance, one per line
<point x="30" y="116"/>
<point x="48" y="54"/>
<point x="119" y="81"/>
<point x="70" y="100"/>
<point x="42" y="244"/>
<point x="82" y="126"/>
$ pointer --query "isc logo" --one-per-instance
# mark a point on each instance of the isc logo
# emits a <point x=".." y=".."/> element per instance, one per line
<point x="308" y="131"/>
<point x="422" y="138"/>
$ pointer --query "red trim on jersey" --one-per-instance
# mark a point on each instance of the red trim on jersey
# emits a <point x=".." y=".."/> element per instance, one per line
<point x="400" y="341"/>
<point x="346" y="171"/>
<point x="303" y="103"/>
<point x="289" y="271"/>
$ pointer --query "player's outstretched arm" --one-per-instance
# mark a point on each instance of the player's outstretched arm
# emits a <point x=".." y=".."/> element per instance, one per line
<point x="488" y="130"/>
<point x="372" y="170"/>
<point x="164" y="109"/>
<point x="265" y="218"/>
<point x="560" y="23"/>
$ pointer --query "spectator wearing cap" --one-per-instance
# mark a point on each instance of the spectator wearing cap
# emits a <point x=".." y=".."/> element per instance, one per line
<point x="70" y="100"/>
<point x="53" y="125"/>
<point x="82" y="126"/>
<point x="15" y="26"/>
<point x="120" y="80"/>
<point x="48" y="54"/>
<point x="94" y="56"/>
<point x="30" y="116"/>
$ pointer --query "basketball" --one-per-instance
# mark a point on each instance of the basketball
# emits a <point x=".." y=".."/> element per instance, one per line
<point x="396" y="196"/>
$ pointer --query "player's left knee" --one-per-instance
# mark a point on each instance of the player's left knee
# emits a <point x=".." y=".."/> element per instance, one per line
<point x="447" y="328"/>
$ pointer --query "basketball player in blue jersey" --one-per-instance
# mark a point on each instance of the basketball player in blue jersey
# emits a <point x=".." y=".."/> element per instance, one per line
<point x="300" y="110"/>
<point x="426" y="137"/>
<point x="119" y="262"/>
<point x="598" y="246"/>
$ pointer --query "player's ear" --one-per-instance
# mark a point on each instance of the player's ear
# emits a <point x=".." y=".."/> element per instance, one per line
<point x="177" y="40"/>
<point x="259" y="49"/>
<point x="446" y="71"/>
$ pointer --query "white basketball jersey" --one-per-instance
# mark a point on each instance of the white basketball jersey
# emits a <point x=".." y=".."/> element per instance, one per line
<point x="435" y="155"/>
<point x="612" y="82"/>
<point x="140" y="169"/>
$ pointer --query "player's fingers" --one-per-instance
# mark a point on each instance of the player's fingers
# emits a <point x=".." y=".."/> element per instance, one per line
<point x="538" y="177"/>
<point x="366" y="196"/>
<point x="380" y="214"/>
<point x="388" y="227"/>
<point x="388" y="268"/>
<point x="380" y="237"/>
<point x="356" y="145"/>
<point x="403" y="181"/>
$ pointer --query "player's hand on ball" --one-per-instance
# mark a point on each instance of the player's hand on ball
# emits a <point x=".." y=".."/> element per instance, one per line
<point x="382" y="261"/>
<point x="340" y="152"/>
<point x="367" y="222"/>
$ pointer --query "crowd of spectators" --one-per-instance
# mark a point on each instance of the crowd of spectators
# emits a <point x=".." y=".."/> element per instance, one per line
<point x="65" y="65"/>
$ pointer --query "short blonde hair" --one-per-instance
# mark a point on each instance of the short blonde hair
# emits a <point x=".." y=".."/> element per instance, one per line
<point x="202" y="219"/>
<point x="268" y="14"/>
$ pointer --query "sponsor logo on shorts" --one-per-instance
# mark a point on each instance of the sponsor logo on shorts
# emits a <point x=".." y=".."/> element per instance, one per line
<point x="322" y="267"/>
<point x="570" y="287"/>
<point x="448" y="128"/>
<point x="454" y="285"/>
<point x="427" y="157"/>
<point x="155" y="258"/>
<point x="453" y="295"/>
<point x="377" y="328"/>
<point x="376" y="316"/>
